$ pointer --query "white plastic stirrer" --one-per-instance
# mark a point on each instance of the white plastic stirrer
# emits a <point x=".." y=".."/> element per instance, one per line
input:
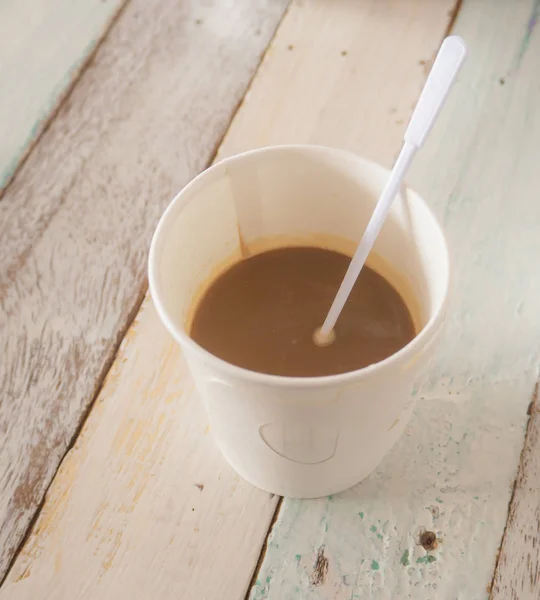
<point x="445" y="68"/>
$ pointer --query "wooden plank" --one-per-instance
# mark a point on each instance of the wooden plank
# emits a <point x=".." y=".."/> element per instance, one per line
<point x="124" y="496"/>
<point x="518" y="569"/>
<point x="76" y="221"/>
<point x="43" y="46"/>
<point x="451" y="476"/>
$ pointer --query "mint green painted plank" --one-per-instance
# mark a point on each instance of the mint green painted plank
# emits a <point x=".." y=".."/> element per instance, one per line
<point x="43" y="44"/>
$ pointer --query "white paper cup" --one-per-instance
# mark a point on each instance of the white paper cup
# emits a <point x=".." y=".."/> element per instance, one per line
<point x="293" y="436"/>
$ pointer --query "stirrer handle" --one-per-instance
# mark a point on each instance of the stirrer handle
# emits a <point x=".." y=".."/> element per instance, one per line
<point x="443" y="73"/>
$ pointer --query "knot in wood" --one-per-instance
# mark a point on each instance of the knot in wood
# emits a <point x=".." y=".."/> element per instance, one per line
<point x="428" y="540"/>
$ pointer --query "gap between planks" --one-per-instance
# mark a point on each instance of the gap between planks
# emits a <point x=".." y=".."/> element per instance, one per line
<point x="264" y="548"/>
<point x="100" y="380"/>
<point x="520" y="580"/>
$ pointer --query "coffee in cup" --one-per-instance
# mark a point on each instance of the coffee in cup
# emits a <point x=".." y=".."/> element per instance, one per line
<point x="262" y="312"/>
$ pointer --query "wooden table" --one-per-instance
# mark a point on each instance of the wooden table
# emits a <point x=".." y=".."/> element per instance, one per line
<point x="110" y="484"/>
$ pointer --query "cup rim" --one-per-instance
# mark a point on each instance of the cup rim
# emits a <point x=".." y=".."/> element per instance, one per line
<point x="413" y="348"/>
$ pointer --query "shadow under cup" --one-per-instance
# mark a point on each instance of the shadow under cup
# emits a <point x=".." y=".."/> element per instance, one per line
<point x="292" y="436"/>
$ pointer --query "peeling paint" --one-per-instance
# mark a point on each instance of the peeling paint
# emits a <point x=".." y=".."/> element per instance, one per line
<point x="404" y="560"/>
<point x="428" y="558"/>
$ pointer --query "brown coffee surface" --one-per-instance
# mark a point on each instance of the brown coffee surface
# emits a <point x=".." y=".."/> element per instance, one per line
<point x="262" y="312"/>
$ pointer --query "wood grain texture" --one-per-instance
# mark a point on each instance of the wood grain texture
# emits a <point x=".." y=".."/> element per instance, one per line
<point x="429" y="521"/>
<point x="151" y="511"/>
<point x="76" y="222"/>
<point x="518" y="569"/>
<point x="43" y="46"/>
<point x="124" y="495"/>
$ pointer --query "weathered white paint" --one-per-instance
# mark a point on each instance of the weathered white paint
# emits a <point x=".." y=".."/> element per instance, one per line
<point x="453" y="473"/>
<point x="76" y="221"/>
<point x="118" y="520"/>
<point x="43" y="45"/>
